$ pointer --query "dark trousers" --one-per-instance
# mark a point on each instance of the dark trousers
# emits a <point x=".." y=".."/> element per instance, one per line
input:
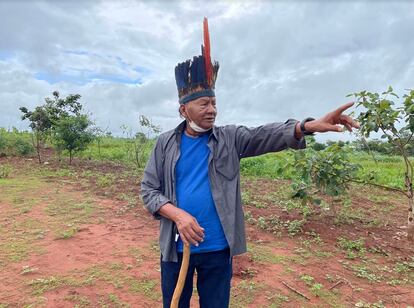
<point x="214" y="272"/>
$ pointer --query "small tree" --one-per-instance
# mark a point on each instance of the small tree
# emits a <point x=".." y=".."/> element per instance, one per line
<point x="43" y="117"/>
<point x="99" y="134"/>
<point x="328" y="171"/>
<point x="138" y="145"/>
<point x="397" y="126"/>
<point x="40" y="123"/>
<point x="72" y="133"/>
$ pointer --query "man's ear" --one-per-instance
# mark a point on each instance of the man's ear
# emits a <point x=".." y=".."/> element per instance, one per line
<point x="183" y="112"/>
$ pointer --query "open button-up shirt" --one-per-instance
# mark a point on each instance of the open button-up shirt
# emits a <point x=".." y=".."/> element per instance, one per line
<point x="227" y="144"/>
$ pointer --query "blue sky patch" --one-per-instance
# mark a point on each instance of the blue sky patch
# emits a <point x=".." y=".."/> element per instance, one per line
<point x="84" y="77"/>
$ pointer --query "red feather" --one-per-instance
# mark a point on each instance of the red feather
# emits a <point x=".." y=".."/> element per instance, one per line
<point x="207" y="57"/>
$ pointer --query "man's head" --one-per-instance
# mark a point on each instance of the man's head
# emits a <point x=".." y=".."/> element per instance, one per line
<point x="201" y="112"/>
<point x="196" y="80"/>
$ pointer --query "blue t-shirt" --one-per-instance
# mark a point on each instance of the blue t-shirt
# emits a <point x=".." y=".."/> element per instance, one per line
<point x="194" y="193"/>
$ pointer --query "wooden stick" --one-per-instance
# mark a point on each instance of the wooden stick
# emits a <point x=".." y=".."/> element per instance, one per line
<point x="336" y="284"/>
<point x="181" y="277"/>
<point x="294" y="290"/>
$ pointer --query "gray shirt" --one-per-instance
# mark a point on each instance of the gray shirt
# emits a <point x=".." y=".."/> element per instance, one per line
<point x="227" y="144"/>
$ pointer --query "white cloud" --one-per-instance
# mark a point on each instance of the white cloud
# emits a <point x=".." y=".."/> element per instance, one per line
<point x="278" y="60"/>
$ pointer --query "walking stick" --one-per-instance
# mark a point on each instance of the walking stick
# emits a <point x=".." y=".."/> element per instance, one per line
<point x="181" y="277"/>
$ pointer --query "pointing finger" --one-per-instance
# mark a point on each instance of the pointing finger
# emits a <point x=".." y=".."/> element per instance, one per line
<point x="344" y="107"/>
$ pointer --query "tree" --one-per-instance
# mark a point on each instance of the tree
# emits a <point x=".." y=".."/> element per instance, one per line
<point x="328" y="171"/>
<point x="139" y="145"/>
<point x="73" y="133"/>
<point x="40" y="123"/>
<point x="397" y="126"/>
<point x="43" y="117"/>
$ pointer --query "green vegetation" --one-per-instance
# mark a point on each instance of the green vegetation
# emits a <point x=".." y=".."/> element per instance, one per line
<point x="15" y="143"/>
<point x="244" y="293"/>
<point x="397" y="126"/>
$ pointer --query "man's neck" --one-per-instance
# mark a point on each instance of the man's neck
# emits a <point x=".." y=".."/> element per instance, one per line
<point x="191" y="133"/>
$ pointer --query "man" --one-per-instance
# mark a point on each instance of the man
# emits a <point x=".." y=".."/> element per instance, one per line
<point x="192" y="184"/>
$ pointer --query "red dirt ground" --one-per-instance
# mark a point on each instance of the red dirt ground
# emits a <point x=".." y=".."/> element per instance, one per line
<point x="107" y="240"/>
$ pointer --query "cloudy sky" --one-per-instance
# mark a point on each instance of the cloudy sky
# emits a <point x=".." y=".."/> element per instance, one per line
<point x="278" y="59"/>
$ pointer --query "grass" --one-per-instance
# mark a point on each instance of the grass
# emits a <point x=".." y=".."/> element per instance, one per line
<point x="145" y="287"/>
<point x="264" y="254"/>
<point x="244" y="293"/>
<point x="18" y="231"/>
<point x="41" y="285"/>
<point x="24" y="193"/>
<point x="388" y="170"/>
<point x="79" y="300"/>
<point x="112" y="300"/>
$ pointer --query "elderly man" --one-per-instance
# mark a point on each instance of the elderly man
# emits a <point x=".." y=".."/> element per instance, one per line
<point x="192" y="183"/>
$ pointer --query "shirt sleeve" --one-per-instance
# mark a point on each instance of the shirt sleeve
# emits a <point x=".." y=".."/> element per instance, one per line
<point x="151" y="185"/>
<point x="267" y="138"/>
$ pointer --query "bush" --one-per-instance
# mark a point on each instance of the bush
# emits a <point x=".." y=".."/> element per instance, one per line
<point x="4" y="171"/>
<point x="23" y="147"/>
<point x="15" y="143"/>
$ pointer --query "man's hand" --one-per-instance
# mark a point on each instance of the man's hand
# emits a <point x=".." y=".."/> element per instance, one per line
<point x="188" y="227"/>
<point x="332" y="121"/>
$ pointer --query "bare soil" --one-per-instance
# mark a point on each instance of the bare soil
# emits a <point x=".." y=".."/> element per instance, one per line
<point x="78" y="236"/>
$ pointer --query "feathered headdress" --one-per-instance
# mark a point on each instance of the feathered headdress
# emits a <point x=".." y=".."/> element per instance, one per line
<point x="197" y="77"/>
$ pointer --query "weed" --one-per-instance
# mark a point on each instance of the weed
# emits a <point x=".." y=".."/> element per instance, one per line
<point x="273" y="224"/>
<point x="136" y="253"/>
<point x="366" y="273"/>
<point x="329" y="278"/>
<point x="5" y="171"/>
<point x="248" y="217"/>
<point x="244" y="293"/>
<point x="277" y="300"/>
<point x="146" y="287"/>
<point x="80" y="301"/>
<point x="316" y="289"/>
<point x="295" y="226"/>
<point x="105" y="180"/>
<point x="116" y="266"/>
<point x="404" y="267"/>
<point x="353" y="248"/>
<point x="264" y="254"/>
<point x="132" y="202"/>
<point x="66" y="234"/>
<point x="14" y="249"/>
<point x="308" y="279"/>
<point x="155" y="246"/>
<point x="246" y="197"/>
<point x="248" y="273"/>
<point x="27" y="270"/>
<point x="116" y="301"/>
<point x="397" y="282"/>
<point x="42" y="285"/>
<point x="362" y="304"/>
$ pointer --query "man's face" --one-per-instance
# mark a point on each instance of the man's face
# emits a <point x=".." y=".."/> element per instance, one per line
<point x="201" y="110"/>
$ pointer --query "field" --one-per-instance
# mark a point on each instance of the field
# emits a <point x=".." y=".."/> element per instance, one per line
<point x="78" y="236"/>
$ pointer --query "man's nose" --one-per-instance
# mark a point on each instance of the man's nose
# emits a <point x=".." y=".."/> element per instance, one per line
<point x="211" y="108"/>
